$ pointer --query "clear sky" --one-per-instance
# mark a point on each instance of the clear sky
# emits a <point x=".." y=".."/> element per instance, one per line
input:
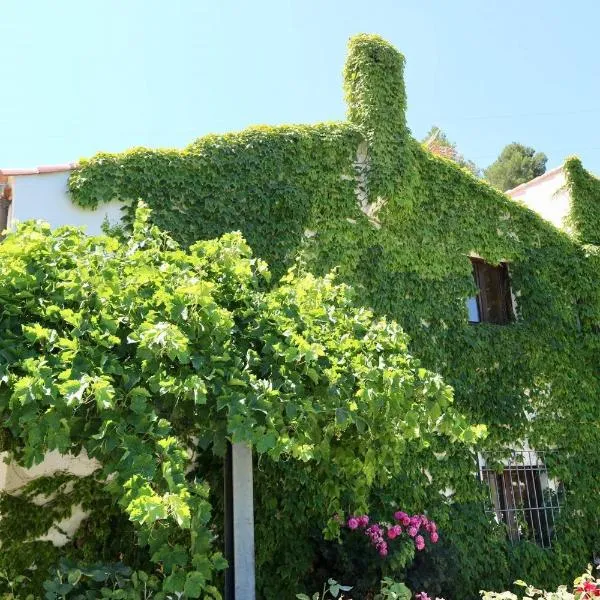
<point x="78" y="77"/>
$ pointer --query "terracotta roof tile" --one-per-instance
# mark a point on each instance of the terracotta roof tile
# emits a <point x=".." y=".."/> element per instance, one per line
<point x="39" y="170"/>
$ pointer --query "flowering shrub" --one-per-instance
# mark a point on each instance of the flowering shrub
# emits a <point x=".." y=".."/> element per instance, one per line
<point x="380" y="534"/>
<point x="585" y="587"/>
<point x="424" y="596"/>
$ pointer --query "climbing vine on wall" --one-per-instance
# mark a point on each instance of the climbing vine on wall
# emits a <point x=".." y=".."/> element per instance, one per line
<point x="584" y="212"/>
<point x="399" y="225"/>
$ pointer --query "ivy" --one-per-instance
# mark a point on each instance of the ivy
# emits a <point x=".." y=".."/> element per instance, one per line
<point x="374" y="89"/>
<point x="398" y="224"/>
<point x="584" y="189"/>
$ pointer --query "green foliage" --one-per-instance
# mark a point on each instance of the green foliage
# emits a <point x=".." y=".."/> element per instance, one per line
<point x="143" y="355"/>
<point x="293" y="191"/>
<point x="331" y="589"/>
<point x="390" y="590"/>
<point x="73" y="581"/>
<point x="277" y="181"/>
<point x="23" y="522"/>
<point x="584" y="214"/>
<point x="376" y="98"/>
<point x="515" y="165"/>
<point x="393" y="590"/>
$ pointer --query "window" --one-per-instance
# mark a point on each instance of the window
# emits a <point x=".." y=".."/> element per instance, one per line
<point x="493" y="303"/>
<point x="5" y="196"/>
<point x="523" y="497"/>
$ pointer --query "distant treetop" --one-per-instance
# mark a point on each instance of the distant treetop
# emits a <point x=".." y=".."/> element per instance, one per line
<point x="516" y="164"/>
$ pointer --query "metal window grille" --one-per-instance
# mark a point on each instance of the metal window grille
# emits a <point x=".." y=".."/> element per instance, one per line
<point x="522" y="496"/>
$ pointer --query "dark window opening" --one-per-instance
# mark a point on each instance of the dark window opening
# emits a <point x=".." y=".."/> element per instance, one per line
<point x="4" y="206"/>
<point x="524" y="499"/>
<point x="493" y="303"/>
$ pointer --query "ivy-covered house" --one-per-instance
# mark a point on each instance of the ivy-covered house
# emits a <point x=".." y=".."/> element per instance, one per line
<point x="503" y="303"/>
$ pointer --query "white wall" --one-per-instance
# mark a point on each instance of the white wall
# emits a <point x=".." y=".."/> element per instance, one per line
<point x="547" y="196"/>
<point x="46" y="197"/>
<point x="13" y="477"/>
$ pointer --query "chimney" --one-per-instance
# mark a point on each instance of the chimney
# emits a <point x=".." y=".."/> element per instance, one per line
<point x="376" y="100"/>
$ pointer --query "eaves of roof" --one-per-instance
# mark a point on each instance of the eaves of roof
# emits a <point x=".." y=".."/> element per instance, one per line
<point x="516" y="191"/>
<point x="39" y="170"/>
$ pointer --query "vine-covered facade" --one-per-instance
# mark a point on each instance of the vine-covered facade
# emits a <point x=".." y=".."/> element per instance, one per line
<point x="405" y="228"/>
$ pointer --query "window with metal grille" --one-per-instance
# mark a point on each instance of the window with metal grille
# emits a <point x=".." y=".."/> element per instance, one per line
<point x="493" y="303"/>
<point x="522" y="496"/>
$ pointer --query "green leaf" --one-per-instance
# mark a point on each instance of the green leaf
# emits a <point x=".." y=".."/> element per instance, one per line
<point x="138" y="400"/>
<point x="194" y="584"/>
<point x="219" y="562"/>
<point x="74" y="576"/>
<point x="175" y="582"/>
<point x="74" y="389"/>
<point x="266" y="442"/>
<point x="171" y="556"/>
<point x="180" y="510"/>
<point x="341" y="415"/>
<point x="104" y="393"/>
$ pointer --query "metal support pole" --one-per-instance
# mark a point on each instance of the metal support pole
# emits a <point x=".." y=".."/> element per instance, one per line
<point x="239" y="523"/>
<point x="243" y="522"/>
<point x="228" y="524"/>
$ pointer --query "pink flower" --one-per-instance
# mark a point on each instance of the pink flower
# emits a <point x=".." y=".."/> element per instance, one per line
<point x="412" y="531"/>
<point x="434" y="537"/>
<point x="431" y="526"/>
<point x="419" y="542"/>
<point x="363" y="521"/>
<point x="383" y="549"/>
<point x="424" y="521"/>
<point x="415" y="521"/>
<point x="375" y="534"/>
<point x="394" y="531"/>
<point x="405" y="521"/>
<point x="399" y="515"/>
<point x="422" y="596"/>
<point x="352" y="522"/>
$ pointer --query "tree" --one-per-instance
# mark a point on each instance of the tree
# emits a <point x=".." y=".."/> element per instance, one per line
<point x="515" y="165"/>
<point x="149" y="357"/>
<point x="437" y="141"/>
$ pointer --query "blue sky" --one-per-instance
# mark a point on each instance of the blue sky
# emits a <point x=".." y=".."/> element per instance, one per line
<point x="81" y="77"/>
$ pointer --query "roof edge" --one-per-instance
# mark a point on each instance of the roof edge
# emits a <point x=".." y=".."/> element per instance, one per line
<point x="41" y="170"/>
<point x="535" y="181"/>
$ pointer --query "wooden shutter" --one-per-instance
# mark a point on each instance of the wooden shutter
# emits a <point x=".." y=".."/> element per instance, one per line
<point x="494" y="292"/>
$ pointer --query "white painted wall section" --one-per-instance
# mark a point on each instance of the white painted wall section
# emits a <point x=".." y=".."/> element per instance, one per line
<point x="547" y="195"/>
<point x="46" y="197"/>
<point x="13" y="478"/>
